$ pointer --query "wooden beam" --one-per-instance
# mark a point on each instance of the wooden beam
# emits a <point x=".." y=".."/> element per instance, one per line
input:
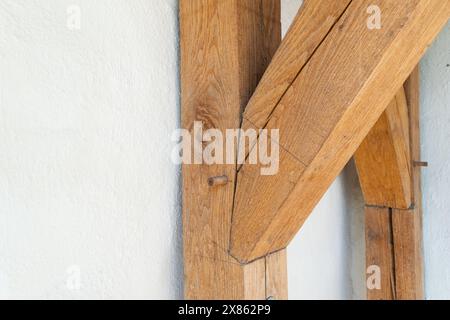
<point x="383" y="160"/>
<point x="412" y="91"/>
<point x="325" y="115"/>
<point x="374" y="161"/>
<point x="407" y="235"/>
<point x="225" y="47"/>
<point x="276" y="276"/>
<point x="313" y="22"/>
<point x="394" y="250"/>
<point x="379" y="254"/>
<point x="408" y="224"/>
<point x="394" y="245"/>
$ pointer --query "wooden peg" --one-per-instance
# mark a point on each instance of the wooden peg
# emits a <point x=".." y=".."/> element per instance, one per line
<point x="420" y="164"/>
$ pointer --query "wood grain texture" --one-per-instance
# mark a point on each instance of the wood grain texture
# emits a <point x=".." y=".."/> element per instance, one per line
<point x="311" y="25"/>
<point x="412" y="92"/>
<point x="325" y="115"/>
<point x="383" y="160"/>
<point x="406" y="228"/>
<point x="393" y="244"/>
<point x="410" y="275"/>
<point x="225" y="47"/>
<point x="379" y="252"/>
<point x="276" y="275"/>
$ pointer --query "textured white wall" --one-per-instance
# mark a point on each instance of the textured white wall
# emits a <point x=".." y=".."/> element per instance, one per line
<point x="86" y="181"/>
<point x="85" y="172"/>
<point x="435" y="117"/>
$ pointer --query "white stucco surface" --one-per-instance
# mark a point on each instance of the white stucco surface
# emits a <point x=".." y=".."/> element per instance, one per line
<point x="85" y="172"/>
<point x="87" y="188"/>
<point x="435" y="117"/>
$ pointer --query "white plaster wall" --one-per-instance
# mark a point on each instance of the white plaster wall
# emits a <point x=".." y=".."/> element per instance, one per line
<point x="435" y="117"/>
<point x="85" y="174"/>
<point x="86" y="181"/>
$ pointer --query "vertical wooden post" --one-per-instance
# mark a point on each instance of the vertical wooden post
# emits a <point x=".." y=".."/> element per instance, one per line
<point x="408" y="224"/>
<point x="226" y="46"/>
<point x="391" y="187"/>
<point x="380" y="253"/>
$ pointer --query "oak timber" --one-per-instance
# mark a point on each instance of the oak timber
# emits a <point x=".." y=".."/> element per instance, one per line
<point x="276" y="275"/>
<point x="384" y="161"/>
<point x="310" y="26"/>
<point x="380" y="253"/>
<point x="225" y="47"/>
<point x="409" y="244"/>
<point x="404" y="226"/>
<point x="407" y="236"/>
<point x="393" y="245"/>
<point x="325" y="115"/>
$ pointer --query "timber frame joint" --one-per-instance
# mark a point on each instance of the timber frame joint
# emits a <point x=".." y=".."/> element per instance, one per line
<point x="237" y="73"/>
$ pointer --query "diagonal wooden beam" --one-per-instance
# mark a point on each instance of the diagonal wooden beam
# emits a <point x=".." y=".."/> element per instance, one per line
<point x="325" y="115"/>
<point x="383" y="160"/>
<point x="225" y="47"/>
<point x="313" y="22"/>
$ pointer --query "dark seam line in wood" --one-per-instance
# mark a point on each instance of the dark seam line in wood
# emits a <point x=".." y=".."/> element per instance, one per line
<point x="218" y="260"/>
<point x="392" y="243"/>
<point x="309" y="59"/>
<point x="290" y="85"/>
<point x="412" y="207"/>
<point x="274" y="140"/>
<point x="242" y="263"/>
<point x="236" y="171"/>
